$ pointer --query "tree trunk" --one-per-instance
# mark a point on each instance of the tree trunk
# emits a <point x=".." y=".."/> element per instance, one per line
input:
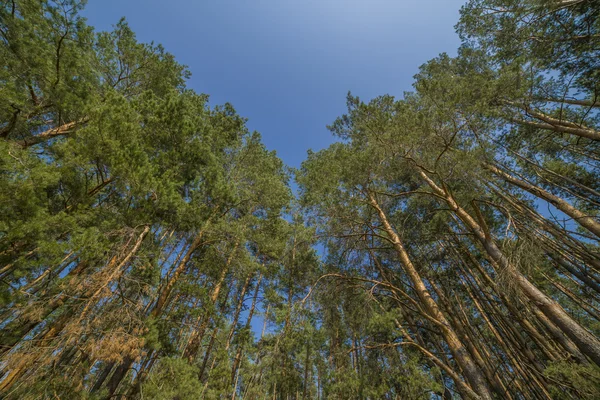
<point x="580" y="217"/>
<point x="472" y="373"/>
<point x="585" y="341"/>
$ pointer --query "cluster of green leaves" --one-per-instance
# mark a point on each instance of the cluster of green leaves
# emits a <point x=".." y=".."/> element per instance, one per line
<point x="142" y="231"/>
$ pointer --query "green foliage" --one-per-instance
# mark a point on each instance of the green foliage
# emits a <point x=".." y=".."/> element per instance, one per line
<point x="172" y="378"/>
<point x="585" y="379"/>
<point x="142" y="229"/>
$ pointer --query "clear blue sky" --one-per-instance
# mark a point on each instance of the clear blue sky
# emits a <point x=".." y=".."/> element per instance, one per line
<point x="287" y="65"/>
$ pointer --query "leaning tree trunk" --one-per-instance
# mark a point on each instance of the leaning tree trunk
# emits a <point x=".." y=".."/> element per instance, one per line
<point x="470" y="370"/>
<point x="587" y="343"/>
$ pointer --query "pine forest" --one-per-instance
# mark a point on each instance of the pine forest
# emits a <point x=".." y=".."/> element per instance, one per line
<point x="445" y="246"/>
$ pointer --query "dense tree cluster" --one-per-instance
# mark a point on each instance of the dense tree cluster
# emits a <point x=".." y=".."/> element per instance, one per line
<point x="447" y="246"/>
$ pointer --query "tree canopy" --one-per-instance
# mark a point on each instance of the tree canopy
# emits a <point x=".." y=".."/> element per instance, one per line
<point x="446" y="246"/>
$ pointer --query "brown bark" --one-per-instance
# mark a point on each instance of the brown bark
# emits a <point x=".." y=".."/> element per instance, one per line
<point x="211" y="343"/>
<point x="529" y="329"/>
<point x="26" y="360"/>
<point x="583" y="276"/>
<point x="472" y="373"/>
<point x="307" y="371"/>
<point x="44" y="339"/>
<point x="585" y="341"/>
<point x="461" y="325"/>
<point x="465" y="390"/>
<point x="164" y="295"/>
<point x="556" y="125"/>
<point x="238" y="309"/>
<point x="595" y="102"/>
<point x="126" y="364"/>
<point x="62" y="130"/>
<point x="193" y="345"/>
<point x="513" y="356"/>
<point x="580" y="217"/>
<point x="238" y="354"/>
<point x="567" y="245"/>
<point x="102" y="377"/>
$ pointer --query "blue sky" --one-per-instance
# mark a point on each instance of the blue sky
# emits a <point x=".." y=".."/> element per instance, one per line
<point x="287" y="65"/>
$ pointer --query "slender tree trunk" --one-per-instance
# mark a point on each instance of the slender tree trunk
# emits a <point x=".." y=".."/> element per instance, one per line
<point x="582" y="218"/>
<point x="17" y="329"/>
<point x="191" y="350"/>
<point x="585" y="341"/>
<point x="102" y="377"/>
<point x="584" y="277"/>
<point x="461" y="331"/>
<point x="57" y="326"/>
<point x="238" y="309"/>
<point x="472" y="373"/>
<point x="164" y="295"/>
<point x="557" y="125"/>
<point x="126" y="364"/>
<point x="211" y="343"/>
<point x="238" y="355"/>
<point x="307" y="367"/>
